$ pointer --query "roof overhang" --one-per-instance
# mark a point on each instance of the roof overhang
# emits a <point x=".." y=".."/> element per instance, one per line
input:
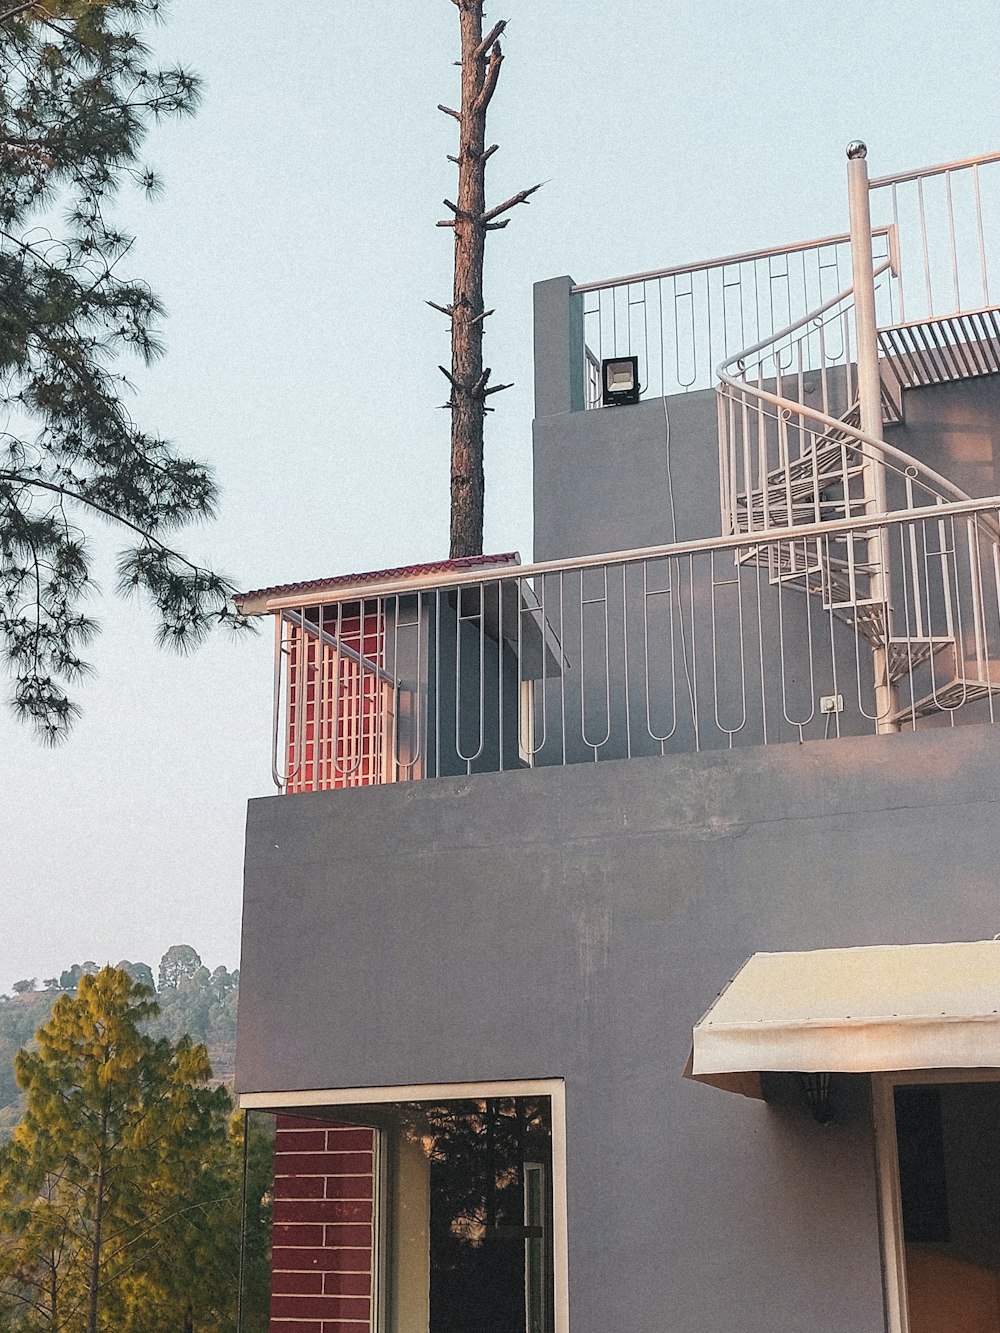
<point x="853" y="1011"/>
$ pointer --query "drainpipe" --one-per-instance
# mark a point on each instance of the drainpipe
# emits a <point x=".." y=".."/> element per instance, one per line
<point x="870" y="400"/>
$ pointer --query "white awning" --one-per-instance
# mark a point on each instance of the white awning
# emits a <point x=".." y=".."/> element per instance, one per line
<point x="887" y="1007"/>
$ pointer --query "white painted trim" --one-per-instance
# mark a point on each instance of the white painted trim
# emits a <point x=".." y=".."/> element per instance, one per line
<point x="890" y="1207"/>
<point x="553" y="1088"/>
<point x="887" y="1165"/>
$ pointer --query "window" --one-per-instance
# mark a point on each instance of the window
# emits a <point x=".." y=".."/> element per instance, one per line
<point x="418" y="1213"/>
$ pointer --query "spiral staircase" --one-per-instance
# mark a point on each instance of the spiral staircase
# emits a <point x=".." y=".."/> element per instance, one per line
<point x="795" y="459"/>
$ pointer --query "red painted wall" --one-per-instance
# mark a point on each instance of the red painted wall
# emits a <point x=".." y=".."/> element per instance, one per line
<point x="322" y="1240"/>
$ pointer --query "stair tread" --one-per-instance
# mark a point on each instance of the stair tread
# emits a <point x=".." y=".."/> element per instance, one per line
<point x="946" y="698"/>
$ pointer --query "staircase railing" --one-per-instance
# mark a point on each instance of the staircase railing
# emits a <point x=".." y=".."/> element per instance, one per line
<point x="788" y="430"/>
<point x="801" y="416"/>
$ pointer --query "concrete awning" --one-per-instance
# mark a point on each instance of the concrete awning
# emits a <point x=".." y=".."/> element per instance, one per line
<point x="857" y="1011"/>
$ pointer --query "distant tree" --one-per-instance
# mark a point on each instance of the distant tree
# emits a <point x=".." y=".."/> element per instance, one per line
<point x="140" y="972"/>
<point x="23" y="987"/>
<point x="180" y="961"/>
<point x="77" y="96"/>
<point x="51" y="983"/>
<point x="70" y="979"/>
<point x="122" y="1156"/>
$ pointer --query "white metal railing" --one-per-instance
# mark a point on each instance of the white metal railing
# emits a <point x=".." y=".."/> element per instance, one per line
<point x="696" y="645"/>
<point x="791" y="448"/>
<point x="681" y="322"/>
<point x="938" y="225"/>
<point x="946" y="220"/>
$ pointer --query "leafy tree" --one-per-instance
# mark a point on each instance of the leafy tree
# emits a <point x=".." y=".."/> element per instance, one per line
<point x="51" y="983"/>
<point x="140" y="972"/>
<point x="119" y="1162"/>
<point x="70" y="979"/>
<point x="178" y="962"/>
<point x="77" y="95"/>
<point x="24" y="987"/>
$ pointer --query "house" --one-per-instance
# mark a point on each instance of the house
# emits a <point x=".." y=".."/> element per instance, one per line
<point x="706" y="795"/>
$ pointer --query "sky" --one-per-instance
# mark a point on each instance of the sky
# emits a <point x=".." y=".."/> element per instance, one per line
<point x="295" y="247"/>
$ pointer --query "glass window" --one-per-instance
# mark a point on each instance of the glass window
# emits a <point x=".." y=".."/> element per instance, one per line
<point x="405" y="1217"/>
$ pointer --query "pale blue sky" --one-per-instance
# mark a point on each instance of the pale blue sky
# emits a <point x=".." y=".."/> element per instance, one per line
<point x="297" y="233"/>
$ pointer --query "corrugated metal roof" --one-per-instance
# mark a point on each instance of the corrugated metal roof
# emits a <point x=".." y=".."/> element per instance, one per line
<point x="380" y="576"/>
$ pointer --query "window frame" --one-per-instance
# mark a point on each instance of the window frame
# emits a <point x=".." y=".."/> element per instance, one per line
<point x="553" y="1088"/>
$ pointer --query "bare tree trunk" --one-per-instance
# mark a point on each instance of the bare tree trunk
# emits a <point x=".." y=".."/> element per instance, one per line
<point x="95" y="1250"/>
<point x="469" y="380"/>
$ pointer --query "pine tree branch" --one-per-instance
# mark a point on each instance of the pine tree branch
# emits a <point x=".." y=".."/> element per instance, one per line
<point x="444" y="309"/>
<point x="38" y="483"/>
<point x="488" y="153"/>
<point x="522" y="197"/>
<point x="488" y="41"/>
<point x="496" y="388"/>
<point x="15" y="10"/>
<point x="490" y="82"/>
<point x="450" y="378"/>
<point x="496" y="226"/>
<point x="478" y="319"/>
<point x="448" y="111"/>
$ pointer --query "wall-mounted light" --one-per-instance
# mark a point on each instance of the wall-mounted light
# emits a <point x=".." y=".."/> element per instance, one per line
<point x="619" y="380"/>
<point x="816" y="1091"/>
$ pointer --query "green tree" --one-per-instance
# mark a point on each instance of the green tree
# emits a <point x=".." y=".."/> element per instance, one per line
<point x="26" y="986"/>
<point x="140" y="972"/>
<point x="77" y="95"/>
<point x="108" y="1187"/>
<point x="180" y="961"/>
<point x="70" y="979"/>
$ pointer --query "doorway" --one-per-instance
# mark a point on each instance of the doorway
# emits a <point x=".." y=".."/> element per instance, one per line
<point x="940" y="1149"/>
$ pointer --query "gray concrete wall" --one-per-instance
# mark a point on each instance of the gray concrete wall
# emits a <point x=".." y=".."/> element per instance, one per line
<point x="574" y="923"/>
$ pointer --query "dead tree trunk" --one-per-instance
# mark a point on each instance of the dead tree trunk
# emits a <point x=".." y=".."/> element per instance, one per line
<point x="471" y="220"/>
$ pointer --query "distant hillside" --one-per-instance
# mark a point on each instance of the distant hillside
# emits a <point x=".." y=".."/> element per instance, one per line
<point x="192" y="1000"/>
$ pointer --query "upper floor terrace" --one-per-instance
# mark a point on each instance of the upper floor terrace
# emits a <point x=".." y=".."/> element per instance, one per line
<point x="828" y="410"/>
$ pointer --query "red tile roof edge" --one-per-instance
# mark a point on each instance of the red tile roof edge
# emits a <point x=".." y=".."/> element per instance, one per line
<point x="384" y="575"/>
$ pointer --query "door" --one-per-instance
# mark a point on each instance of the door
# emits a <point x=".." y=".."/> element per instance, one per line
<point x="940" y="1149"/>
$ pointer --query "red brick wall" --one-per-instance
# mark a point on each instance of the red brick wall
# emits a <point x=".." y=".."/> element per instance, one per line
<point x="322" y="1236"/>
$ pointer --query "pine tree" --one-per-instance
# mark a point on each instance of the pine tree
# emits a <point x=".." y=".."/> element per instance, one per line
<point x="481" y="60"/>
<point x="109" y="1187"/>
<point x="77" y="95"/>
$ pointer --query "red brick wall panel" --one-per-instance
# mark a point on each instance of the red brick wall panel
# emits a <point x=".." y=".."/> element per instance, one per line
<point x="322" y="1237"/>
<point x="348" y="1138"/>
<point x="347" y="1284"/>
<point x="296" y="1284"/>
<point x="319" y="1307"/>
<point x="299" y="1187"/>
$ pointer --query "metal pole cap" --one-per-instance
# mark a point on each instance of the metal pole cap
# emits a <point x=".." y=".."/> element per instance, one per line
<point x="857" y="149"/>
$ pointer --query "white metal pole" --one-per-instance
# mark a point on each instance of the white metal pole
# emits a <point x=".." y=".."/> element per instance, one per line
<point x="870" y="403"/>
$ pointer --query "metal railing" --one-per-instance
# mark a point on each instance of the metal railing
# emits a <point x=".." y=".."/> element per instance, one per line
<point x="948" y="242"/>
<point x="681" y="322"/>
<point x="695" y="646"/>
<point x="791" y="449"/>
<point x="937" y="225"/>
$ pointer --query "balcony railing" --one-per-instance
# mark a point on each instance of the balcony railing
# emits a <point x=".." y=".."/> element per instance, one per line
<point x="695" y="646"/>
<point x="935" y="229"/>
<point x="681" y="322"/>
